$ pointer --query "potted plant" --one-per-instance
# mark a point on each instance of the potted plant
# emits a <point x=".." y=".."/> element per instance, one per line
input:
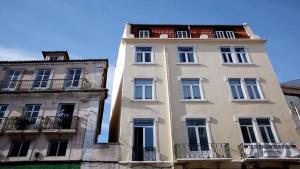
<point x="21" y="123"/>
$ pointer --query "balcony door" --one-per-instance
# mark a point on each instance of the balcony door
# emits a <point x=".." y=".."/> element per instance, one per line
<point x="73" y="78"/>
<point x="197" y="138"/>
<point x="31" y="113"/>
<point x="64" y="116"/>
<point x="41" y="79"/>
<point x="11" y="80"/>
<point x="143" y="141"/>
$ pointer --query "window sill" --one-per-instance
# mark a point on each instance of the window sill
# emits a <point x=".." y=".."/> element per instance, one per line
<point x="137" y="100"/>
<point x="238" y="64"/>
<point x="248" y="100"/>
<point x="193" y="100"/>
<point x="144" y="64"/>
<point x="187" y="63"/>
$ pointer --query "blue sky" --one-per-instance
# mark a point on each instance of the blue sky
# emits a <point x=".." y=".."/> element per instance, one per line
<point x="93" y="28"/>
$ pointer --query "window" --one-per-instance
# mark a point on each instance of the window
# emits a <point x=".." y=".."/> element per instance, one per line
<point x="143" y="89"/>
<point x="266" y="130"/>
<point x="19" y="148"/>
<point x="11" y="80"/>
<point x="144" y="34"/>
<point x="3" y="108"/>
<point x="225" y="34"/>
<point x="57" y="147"/>
<point x="236" y="89"/>
<point x="252" y="88"/>
<point x="73" y="78"/>
<point x="220" y="34"/>
<point x="247" y="130"/>
<point x="197" y="134"/>
<point x="230" y="34"/>
<point x="226" y="54"/>
<point x="186" y="54"/>
<point x="53" y="58"/>
<point x="41" y="79"/>
<point x="143" y="55"/>
<point x="182" y="34"/>
<point x="191" y="89"/>
<point x="31" y="112"/>
<point x="143" y="140"/>
<point x="241" y="55"/>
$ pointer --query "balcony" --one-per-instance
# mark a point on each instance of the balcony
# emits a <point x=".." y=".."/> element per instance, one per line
<point x="55" y="124"/>
<point x="47" y="85"/>
<point x="143" y="154"/>
<point x="22" y="125"/>
<point x="2" y="125"/>
<point x="269" y="151"/>
<point x="194" y="152"/>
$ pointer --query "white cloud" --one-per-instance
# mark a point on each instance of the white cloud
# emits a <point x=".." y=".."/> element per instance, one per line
<point x="17" y="54"/>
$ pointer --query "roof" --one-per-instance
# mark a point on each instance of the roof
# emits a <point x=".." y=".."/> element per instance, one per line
<point x="292" y="83"/>
<point x="51" y="53"/>
<point x="137" y="24"/>
<point x="50" y="61"/>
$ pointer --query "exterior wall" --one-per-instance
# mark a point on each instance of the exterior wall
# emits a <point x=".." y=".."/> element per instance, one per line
<point x="86" y="104"/>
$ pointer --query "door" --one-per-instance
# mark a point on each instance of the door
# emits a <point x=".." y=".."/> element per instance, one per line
<point x="73" y="78"/>
<point x="64" y="117"/>
<point x="197" y="137"/>
<point x="41" y="79"/>
<point x="11" y="80"/>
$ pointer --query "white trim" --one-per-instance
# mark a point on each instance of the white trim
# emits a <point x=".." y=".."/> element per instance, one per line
<point x="200" y="85"/>
<point x="234" y="55"/>
<point x="195" y="56"/>
<point x="152" y="54"/>
<point x="144" y="90"/>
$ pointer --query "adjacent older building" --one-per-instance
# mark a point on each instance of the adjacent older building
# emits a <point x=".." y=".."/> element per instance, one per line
<point x="291" y="90"/>
<point x="49" y="109"/>
<point x="199" y="96"/>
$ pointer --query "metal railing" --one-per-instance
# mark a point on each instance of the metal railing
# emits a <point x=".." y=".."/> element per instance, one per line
<point x="56" y="122"/>
<point x="3" y="121"/>
<point x="212" y="150"/>
<point x="23" y="123"/>
<point x="268" y="151"/>
<point x="143" y="154"/>
<point x="47" y="85"/>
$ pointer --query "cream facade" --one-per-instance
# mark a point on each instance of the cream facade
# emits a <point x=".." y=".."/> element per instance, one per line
<point x="192" y="96"/>
<point x="47" y="107"/>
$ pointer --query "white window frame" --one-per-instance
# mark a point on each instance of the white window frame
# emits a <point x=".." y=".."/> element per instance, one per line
<point x="182" y="34"/>
<point x="144" y="33"/>
<point x="53" y="140"/>
<point x="40" y="81"/>
<point x="258" y="89"/>
<point x="230" y="34"/>
<point x="186" y="55"/>
<point x="32" y="111"/>
<point x="265" y="129"/>
<point x="220" y="34"/>
<point x="10" y="80"/>
<point x="143" y="56"/>
<point x="191" y="89"/>
<point x="72" y="80"/>
<point x="242" y="87"/>
<point x="247" y="126"/>
<point x="18" y="156"/>
<point x="143" y="89"/>
<point x="234" y="56"/>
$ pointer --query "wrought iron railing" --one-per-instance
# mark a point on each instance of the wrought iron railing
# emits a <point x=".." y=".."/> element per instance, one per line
<point x="23" y="123"/>
<point x="56" y="122"/>
<point x="268" y="151"/>
<point x="212" y="150"/>
<point x="47" y="85"/>
<point x="143" y="154"/>
<point x="3" y="121"/>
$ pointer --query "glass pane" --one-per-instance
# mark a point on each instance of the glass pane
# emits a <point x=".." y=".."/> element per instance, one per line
<point x="240" y="92"/>
<point x="182" y="57"/>
<point x="185" y="49"/>
<point x="245" y="134"/>
<point x="252" y="135"/>
<point x="149" y="137"/>
<point x="186" y="92"/>
<point x="224" y="57"/>
<point x="139" y="57"/>
<point x="143" y="49"/>
<point x="234" y="92"/>
<point x="62" y="148"/>
<point x="70" y="74"/>
<point x="263" y="121"/>
<point x="190" y="81"/>
<point x="148" y="92"/>
<point x="190" y="57"/>
<point x="239" y="50"/>
<point x="230" y="58"/>
<point x="75" y="83"/>
<point x="36" y="108"/>
<point x="250" y="92"/>
<point x="256" y="92"/>
<point x="203" y="138"/>
<point x="263" y="135"/>
<point x="143" y="122"/>
<point x="24" y="149"/>
<point x="245" y="121"/>
<point x="272" y="138"/>
<point x="225" y="49"/>
<point x="147" y="57"/>
<point x="143" y="81"/>
<point x="15" y="147"/>
<point x="192" y="139"/>
<point x="3" y="108"/>
<point x="239" y="58"/>
<point x="138" y="92"/>
<point x="196" y="92"/>
<point x="244" y="57"/>
<point x="195" y="122"/>
<point x="52" y="148"/>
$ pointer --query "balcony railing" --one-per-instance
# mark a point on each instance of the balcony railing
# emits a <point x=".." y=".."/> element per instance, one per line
<point x="269" y="151"/>
<point x="143" y="154"/>
<point x="14" y="124"/>
<point x="55" y="122"/>
<point x="197" y="151"/>
<point x="2" y="124"/>
<point x="47" y="85"/>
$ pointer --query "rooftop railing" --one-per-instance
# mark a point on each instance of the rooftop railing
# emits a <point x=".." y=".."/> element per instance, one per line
<point x="47" y="85"/>
<point x="198" y="151"/>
